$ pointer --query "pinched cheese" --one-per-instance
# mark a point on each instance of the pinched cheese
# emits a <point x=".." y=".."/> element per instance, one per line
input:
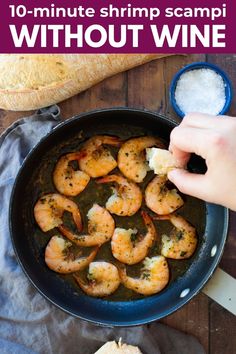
<point x="161" y="161"/>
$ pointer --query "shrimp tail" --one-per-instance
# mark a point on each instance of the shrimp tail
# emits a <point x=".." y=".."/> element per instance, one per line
<point x="146" y="217"/>
<point x="84" y="240"/>
<point x="162" y="217"/>
<point x="78" y="155"/>
<point x="78" y="221"/>
<point x="112" y="140"/>
<point x="93" y="254"/>
<point x="80" y="281"/>
<point x="149" y="223"/>
<point x="67" y="233"/>
<point x="107" y="179"/>
<point x="87" y="261"/>
<point x="81" y="154"/>
<point x="122" y="271"/>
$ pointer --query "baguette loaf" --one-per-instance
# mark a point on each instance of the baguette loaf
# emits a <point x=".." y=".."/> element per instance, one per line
<point x="118" y="348"/>
<point x="32" y="81"/>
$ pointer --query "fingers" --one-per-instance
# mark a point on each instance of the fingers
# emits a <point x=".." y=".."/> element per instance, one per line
<point x="183" y="134"/>
<point x="200" y="120"/>
<point x="190" y="183"/>
<point x="212" y="138"/>
<point x="185" y="140"/>
<point x="181" y="156"/>
<point x="207" y="121"/>
<point x="192" y="133"/>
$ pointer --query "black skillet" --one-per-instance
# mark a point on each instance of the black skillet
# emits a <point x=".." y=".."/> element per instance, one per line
<point x="34" y="178"/>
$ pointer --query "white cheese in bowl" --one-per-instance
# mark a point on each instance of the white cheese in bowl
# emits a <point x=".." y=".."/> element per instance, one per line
<point x="200" y="90"/>
<point x="161" y="161"/>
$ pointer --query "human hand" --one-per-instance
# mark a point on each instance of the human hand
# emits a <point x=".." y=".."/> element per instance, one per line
<point x="214" y="139"/>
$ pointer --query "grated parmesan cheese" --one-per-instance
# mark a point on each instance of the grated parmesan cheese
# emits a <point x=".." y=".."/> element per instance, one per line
<point x="200" y="90"/>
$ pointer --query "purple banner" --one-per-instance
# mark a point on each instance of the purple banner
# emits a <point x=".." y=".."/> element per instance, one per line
<point x="102" y="26"/>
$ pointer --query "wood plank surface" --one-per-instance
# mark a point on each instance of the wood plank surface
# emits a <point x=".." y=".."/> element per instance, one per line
<point x="111" y="92"/>
<point x="222" y="330"/>
<point x="148" y="87"/>
<point x="193" y="318"/>
<point x="144" y="89"/>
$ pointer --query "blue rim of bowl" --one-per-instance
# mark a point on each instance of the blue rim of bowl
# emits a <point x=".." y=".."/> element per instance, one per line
<point x="199" y="65"/>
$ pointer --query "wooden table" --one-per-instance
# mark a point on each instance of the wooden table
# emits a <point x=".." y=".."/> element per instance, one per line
<point x="147" y="87"/>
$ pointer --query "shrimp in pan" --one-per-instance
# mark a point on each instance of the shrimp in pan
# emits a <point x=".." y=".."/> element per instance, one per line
<point x="154" y="276"/>
<point x="131" y="157"/>
<point x="96" y="160"/>
<point x="60" y="257"/>
<point x="128" y="248"/>
<point x="101" y="226"/>
<point x="102" y="279"/>
<point x="182" y="241"/>
<point x="67" y="180"/>
<point x="127" y="197"/>
<point x="160" y="199"/>
<point x="49" y="209"/>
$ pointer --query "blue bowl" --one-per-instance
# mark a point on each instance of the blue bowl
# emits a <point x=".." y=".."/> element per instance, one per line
<point x="201" y="65"/>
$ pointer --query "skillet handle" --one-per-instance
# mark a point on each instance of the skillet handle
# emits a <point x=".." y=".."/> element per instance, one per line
<point x="222" y="289"/>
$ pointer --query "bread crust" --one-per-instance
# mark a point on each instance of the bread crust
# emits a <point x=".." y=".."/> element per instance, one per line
<point x="32" y="81"/>
<point x="118" y="348"/>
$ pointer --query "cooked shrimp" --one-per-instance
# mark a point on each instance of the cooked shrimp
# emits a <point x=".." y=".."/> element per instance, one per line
<point x="60" y="257"/>
<point x="103" y="279"/>
<point x="100" y="228"/>
<point x="182" y="241"/>
<point x="126" y="245"/>
<point x="154" y="276"/>
<point x="49" y="209"/>
<point x="127" y="197"/>
<point x="67" y="180"/>
<point x="131" y="157"/>
<point x="96" y="160"/>
<point x="160" y="199"/>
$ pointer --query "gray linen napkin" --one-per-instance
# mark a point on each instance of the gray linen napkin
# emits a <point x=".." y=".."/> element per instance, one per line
<point x="28" y="322"/>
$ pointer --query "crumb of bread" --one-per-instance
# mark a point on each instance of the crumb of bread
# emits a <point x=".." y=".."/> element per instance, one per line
<point x="161" y="161"/>
<point x="118" y="348"/>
